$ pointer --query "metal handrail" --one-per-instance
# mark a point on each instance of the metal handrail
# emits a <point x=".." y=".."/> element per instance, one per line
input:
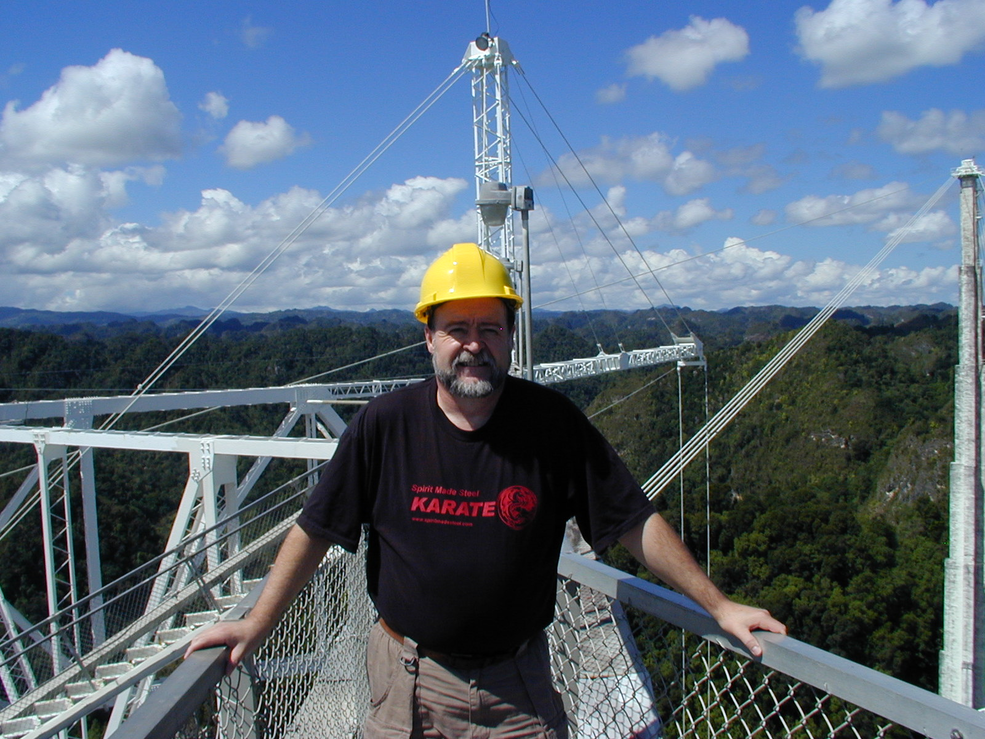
<point x="85" y="663"/>
<point x="901" y="703"/>
<point x="176" y="700"/>
<point x="160" y="716"/>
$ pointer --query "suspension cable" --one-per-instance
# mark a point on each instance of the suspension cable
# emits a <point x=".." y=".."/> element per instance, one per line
<point x="626" y="397"/>
<point x="289" y="240"/>
<point x="649" y="270"/>
<point x="571" y="278"/>
<point x="656" y="484"/>
<point x="26" y="506"/>
<point x="356" y="364"/>
<point x="577" y="235"/>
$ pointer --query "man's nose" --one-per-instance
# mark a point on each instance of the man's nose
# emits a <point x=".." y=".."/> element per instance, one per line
<point x="473" y="340"/>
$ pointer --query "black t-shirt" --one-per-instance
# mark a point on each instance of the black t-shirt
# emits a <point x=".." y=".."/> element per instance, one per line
<point x="466" y="526"/>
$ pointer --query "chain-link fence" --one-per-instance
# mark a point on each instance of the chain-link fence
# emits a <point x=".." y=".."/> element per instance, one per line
<point x="626" y="673"/>
<point x="644" y="663"/>
<point x="308" y="678"/>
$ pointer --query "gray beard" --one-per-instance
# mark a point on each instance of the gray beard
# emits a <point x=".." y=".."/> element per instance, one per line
<point x="472" y="388"/>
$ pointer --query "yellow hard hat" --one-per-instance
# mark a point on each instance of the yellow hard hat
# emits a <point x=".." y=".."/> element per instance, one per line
<point x="464" y="271"/>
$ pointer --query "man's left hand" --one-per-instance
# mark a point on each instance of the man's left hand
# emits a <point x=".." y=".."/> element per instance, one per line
<point x="740" y="621"/>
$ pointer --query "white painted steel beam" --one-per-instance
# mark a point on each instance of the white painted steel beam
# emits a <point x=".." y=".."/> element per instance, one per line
<point x="243" y="446"/>
<point x="19" y="412"/>
<point x="59" y="554"/>
<point x="16" y="675"/>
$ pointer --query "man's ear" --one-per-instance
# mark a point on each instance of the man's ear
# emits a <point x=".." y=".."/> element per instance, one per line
<point x="429" y="339"/>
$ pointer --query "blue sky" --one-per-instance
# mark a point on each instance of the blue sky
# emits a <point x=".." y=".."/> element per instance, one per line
<point x="152" y="154"/>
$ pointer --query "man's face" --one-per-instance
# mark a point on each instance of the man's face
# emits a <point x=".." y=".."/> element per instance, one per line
<point x="470" y="345"/>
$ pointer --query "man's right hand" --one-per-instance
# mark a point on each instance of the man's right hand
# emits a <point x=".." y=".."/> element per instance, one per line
<point x="242" y="637"/>
<point x="296" y="562"/>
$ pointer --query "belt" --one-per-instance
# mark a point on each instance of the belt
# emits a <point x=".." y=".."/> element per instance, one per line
<point x="452" y="659"/>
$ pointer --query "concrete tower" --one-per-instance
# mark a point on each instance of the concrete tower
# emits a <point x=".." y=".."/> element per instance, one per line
<point x="963" y="657"/>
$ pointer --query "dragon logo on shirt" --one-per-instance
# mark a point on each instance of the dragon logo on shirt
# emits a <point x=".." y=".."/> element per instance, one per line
<point x="517" y="506"/>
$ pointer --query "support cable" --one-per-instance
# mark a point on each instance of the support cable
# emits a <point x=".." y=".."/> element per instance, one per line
<point x="680" y="443"/>
<point x="258" y="271"/>
<point x="659" y="481"/>
<point x="680" y="480"/>
<point x="575" y="232"/>
<point x="707" y="448"/>
<point x="290" y="239"/>
<point x="626" y="397"/>
<point x="567" y="269"/>
<point x="649" y="270"/>
<point x="25" y="507"/>
<point x="356" y="364"/>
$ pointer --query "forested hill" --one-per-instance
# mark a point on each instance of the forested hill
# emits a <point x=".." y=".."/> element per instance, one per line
<point x="827" y="494"/>
<point x="715" y="328"/>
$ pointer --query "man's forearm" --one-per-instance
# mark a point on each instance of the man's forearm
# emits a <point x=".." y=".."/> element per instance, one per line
<point x="658" y="548"/>
<point x="296" y="562"/>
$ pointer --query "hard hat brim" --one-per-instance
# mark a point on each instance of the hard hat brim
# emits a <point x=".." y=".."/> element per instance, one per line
<point x="423" y="309"/>
<point x="464" y="272"/>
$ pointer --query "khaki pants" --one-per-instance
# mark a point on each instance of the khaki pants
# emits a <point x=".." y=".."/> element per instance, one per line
<point x="412" y="696"/>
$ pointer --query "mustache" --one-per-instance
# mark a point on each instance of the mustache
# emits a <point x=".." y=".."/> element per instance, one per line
<point x="468" y="359"/>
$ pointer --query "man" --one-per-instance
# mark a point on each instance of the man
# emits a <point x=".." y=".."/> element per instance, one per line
<point x="466" y="481"/>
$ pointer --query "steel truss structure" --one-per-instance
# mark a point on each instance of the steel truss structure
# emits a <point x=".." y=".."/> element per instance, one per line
<point x="75" y="627"/>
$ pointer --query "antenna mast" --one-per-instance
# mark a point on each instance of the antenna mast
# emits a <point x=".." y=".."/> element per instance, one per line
<point x="490" y="59"/>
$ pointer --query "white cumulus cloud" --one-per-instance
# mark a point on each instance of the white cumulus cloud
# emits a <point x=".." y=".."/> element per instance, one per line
<point x="688" y="174"/>
<point x="643" y="158"/>
<point x="61" y="249"/>
<point x="863" y="207"/>
<point x="215" y="104"/>
<point x="691" y="214"/>
<point x="685" y="58"/>
<point x="42" y="215"/>
<point x="251" y="143"/>
<point x="886" y="209"/>
<point x="956" y="132"/>
<point x="858" y="42"/>
<point x="738" y="274"/>
<point x="932" y="227"/>
<point x="113" y="112"/>
<point x="614" y="93"/>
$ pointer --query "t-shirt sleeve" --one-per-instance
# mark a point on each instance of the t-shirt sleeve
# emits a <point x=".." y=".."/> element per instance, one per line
<point x="336" y="508"/>
<point x="608" y="502"/>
